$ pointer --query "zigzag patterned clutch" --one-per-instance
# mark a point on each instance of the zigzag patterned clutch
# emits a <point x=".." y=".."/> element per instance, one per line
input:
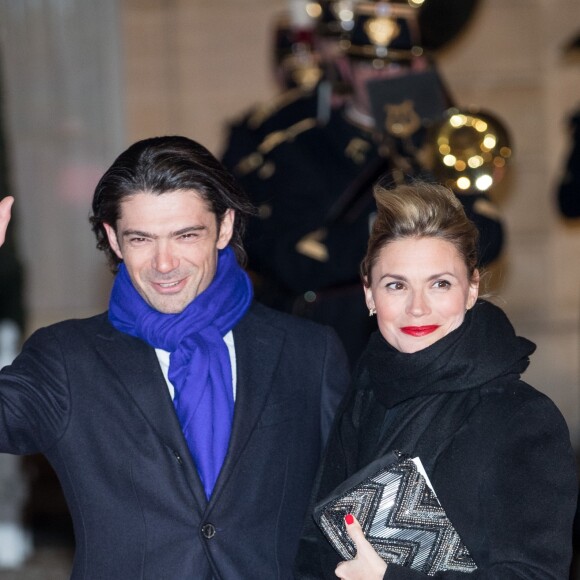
<point x="400" y="516"/>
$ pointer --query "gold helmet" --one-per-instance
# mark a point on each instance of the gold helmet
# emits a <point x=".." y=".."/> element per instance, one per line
<point x="402" y="29"/>
<point x="386" y="30"/>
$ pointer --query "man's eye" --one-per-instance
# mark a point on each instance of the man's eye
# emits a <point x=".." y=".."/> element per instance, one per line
<point x="139" y="241"/>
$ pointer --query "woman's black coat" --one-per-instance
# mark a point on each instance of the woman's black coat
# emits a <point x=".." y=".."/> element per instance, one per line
<point x="496" y="450"/>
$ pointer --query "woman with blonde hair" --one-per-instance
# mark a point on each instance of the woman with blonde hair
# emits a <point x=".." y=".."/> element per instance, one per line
<point x="440" y="381"/>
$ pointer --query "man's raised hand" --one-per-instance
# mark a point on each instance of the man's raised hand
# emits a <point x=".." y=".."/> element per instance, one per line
<point x="5" y="210"/>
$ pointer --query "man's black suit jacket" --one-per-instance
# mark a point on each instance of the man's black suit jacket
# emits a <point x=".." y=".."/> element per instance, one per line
<point x="94" y="401"/>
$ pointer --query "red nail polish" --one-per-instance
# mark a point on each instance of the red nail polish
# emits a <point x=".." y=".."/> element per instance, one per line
<point x="349" y="519"/>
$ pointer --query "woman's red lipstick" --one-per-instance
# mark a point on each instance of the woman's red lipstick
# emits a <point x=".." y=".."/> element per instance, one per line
<point x="419" y="330"/>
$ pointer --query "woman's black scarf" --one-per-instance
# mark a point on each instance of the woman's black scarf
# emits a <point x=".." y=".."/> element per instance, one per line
<point x="481" y="349"/>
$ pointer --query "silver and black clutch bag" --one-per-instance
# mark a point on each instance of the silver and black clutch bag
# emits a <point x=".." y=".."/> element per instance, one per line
<point x="400" y="516"/>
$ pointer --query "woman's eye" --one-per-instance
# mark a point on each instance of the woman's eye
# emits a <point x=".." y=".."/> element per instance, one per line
<point x="395" y="286"/>
<point x="442" y="284"/>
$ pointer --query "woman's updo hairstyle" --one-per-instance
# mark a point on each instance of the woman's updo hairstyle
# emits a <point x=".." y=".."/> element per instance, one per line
<point x="420" y="210"/>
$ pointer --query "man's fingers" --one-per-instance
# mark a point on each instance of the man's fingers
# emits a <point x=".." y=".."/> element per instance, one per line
<point x="5" y="205"/>
<point x="5" y="211"/>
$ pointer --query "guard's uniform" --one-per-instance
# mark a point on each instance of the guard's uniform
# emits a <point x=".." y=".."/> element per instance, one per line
<point x="304" y="249"/>
<point x="310" y="173"/>
<point x="245" y="134"/>
<point x="313" y="190"/>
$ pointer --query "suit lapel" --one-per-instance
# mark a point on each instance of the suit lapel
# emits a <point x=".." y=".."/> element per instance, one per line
<point x="258" y="347"/>
<point x="136" y="365"/>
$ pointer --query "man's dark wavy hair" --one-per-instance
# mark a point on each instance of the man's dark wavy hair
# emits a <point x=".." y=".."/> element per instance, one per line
<point x="161" y="165"/>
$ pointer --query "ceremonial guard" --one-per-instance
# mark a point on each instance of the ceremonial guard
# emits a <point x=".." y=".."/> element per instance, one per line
<point x="311" y="181"/>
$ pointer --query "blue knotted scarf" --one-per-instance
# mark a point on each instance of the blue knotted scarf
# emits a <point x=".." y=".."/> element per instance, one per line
<point x="199" y="363"/>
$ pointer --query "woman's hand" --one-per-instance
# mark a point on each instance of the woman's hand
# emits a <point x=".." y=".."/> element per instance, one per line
<point x="5" y="207"/>
<point x="367" y="565"/>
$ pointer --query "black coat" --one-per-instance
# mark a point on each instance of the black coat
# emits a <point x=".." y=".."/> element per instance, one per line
<point x="496" y="450"/>
<point x="94" y="401"/>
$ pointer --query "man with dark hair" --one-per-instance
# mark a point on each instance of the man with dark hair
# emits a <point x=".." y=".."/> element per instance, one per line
<point x="187" y="423"/>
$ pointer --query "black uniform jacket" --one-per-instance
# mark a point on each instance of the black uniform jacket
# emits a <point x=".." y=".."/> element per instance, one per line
<point x="307" y="241"/>
<point x="496" y="450"/>
<point x="95" y="402"/>
<point x="312" y="185"/>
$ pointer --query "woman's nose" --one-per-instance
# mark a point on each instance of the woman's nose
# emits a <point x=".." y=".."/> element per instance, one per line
<point x="418" y="305"/>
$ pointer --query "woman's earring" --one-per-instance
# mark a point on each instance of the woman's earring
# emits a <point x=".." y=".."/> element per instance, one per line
<point x="372" y="311"/>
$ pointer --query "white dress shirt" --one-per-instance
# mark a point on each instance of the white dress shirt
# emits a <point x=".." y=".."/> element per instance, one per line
<point x="163" y="358"/>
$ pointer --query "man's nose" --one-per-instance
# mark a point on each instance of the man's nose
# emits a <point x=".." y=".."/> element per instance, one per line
<point x="165" y="260"/>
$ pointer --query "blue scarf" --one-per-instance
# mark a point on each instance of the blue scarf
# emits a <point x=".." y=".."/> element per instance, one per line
<point x="199" y="364"/>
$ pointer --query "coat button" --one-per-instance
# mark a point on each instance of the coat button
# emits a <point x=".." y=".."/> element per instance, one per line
<point x="208" y="531"/>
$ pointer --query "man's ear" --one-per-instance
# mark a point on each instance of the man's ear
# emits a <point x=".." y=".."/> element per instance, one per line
<point x="113" y="241"/>
<point x="226" y="229"/>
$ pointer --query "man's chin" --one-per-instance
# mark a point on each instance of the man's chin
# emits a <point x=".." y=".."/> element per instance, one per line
<point x="168" y="305"/>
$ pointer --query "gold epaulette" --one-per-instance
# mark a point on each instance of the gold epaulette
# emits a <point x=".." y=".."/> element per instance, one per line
<point x="276" y="138"/>
<point x="266" y="110"/>
<point x="271" y="141"/>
